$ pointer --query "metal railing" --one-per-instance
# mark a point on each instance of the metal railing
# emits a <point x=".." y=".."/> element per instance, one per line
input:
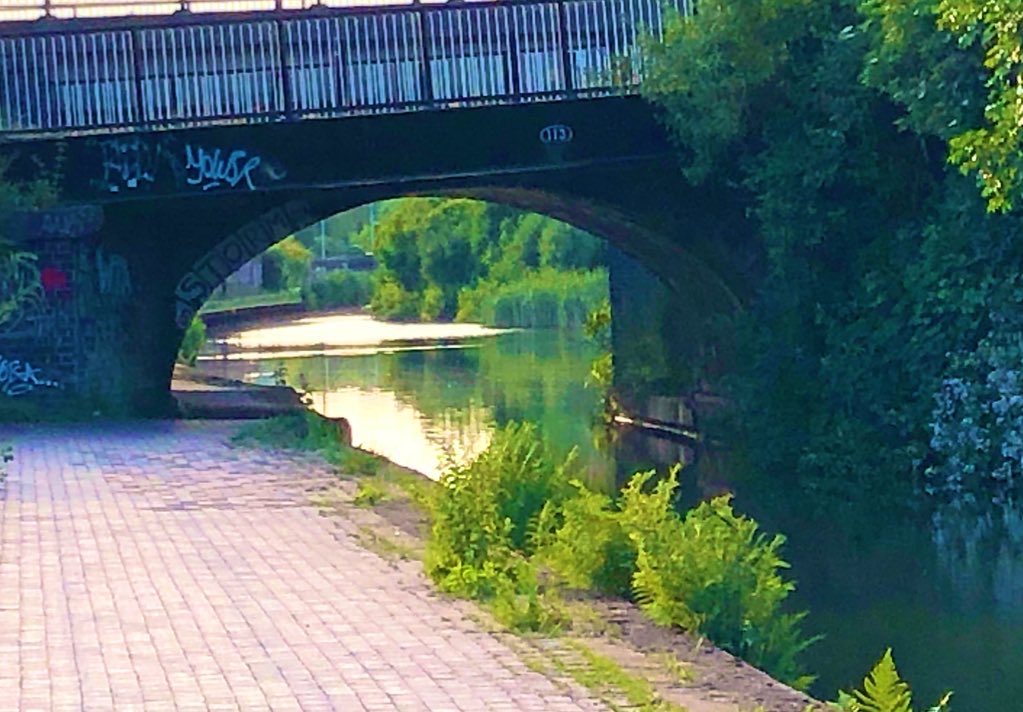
<point x="190" y="69"/>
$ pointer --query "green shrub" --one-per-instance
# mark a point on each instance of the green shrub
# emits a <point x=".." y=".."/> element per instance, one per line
<point x="308" y="431"/>
<point x="715" y="573"/>
<point x="483" y="511"/>
<point x="369" y="493"/>
<point x="584" y="541"/>
<point x="392" y="301"/>
<point x="884" y="691"/>
<point x="286" y="265"/>
<point x="432" y="303"/>
<point x="339" y="288"/>
<point x="192" y="342"/>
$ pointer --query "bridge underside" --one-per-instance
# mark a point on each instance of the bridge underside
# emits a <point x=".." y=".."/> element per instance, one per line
<point x="152" y="224"/>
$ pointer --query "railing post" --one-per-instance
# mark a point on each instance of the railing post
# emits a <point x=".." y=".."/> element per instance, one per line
<point x="566" y="57"/>
<point x="286" y="88"/>
<point x="425" y="75"/>
<point x="514" y="81"/>
<point x="137" y="63"/>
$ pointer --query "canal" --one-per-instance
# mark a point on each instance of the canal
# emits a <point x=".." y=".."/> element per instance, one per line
<point x="945" y="591"/>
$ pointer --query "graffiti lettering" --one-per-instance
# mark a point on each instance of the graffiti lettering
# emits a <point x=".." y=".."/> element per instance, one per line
<point x="213" y="169"/>
<point x="207" y="274"/>
<point x="18" y="378"/>
<point x="129" y="163"/>
<point x="74" y="222"/>
<point x="21" y="288"/>
<point x="140" y="163"/>
<point x="68" y="223"/>
<point x="112" y="271"/>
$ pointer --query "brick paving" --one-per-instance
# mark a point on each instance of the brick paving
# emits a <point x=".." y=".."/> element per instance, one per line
<point x="152" y="566"/>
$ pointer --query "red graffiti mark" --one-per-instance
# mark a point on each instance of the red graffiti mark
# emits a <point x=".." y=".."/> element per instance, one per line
<point x="53" y="279"/>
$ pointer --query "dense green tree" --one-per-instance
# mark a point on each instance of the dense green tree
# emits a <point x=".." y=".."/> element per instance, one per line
<point x="473" y="260"/>
<point x="286" y="265"/>
<point x="449" y="244"/>
<point x="883" y="278"/>
<point x="956" y="66"/>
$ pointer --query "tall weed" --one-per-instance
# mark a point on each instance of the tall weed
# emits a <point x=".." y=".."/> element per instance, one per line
<point x="713" y="571"/>
<point x="584" y="542"/>
<point x="483" y="511"/>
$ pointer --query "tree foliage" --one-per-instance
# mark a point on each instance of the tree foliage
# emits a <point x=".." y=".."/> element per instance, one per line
<point x="883" y="273"/>
<point x="448" y="258"/>
<point x="956" y="66"/>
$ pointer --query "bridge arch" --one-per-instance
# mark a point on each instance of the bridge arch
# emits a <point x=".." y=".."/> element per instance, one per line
<point x="694" y="289"/>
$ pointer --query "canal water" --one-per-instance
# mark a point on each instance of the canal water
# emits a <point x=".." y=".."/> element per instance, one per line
<point x="945" y="591"/>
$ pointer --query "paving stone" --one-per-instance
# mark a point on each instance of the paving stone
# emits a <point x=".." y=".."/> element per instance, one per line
<point x="153" y="566"/>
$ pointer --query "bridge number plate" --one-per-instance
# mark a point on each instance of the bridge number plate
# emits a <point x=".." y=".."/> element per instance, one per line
<point x="556" y="134"/>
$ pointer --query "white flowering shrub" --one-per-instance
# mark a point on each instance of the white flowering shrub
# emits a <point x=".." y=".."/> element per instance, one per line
<point x="977" y="423"/>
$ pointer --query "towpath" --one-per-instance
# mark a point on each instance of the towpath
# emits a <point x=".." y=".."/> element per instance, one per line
<point x="152" y="566"/>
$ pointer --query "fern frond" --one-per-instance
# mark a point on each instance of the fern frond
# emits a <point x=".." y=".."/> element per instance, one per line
<point x="883" y="689"/>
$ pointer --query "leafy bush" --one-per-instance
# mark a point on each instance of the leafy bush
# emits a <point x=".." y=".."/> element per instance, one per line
<point x="715" y="573"/>
<point x="884" y="691"/>
<point x="432" y="304"/>
<point x="584" y="541"/>
<point x="484" y="510"/>
<point x="391" y="300"/>
<point x="286" y="264"/>
<point x="369" y="494"/>
<point x="338" y="288"/>
<point x="192" y="342"/>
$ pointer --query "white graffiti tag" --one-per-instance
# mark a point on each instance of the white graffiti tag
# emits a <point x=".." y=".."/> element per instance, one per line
<point x="211" y="169"/>
<point x="114" y="277"/>
<point x="18" y="378"/>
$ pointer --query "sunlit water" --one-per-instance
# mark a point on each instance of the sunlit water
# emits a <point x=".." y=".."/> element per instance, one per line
<point x="945" y="592"/>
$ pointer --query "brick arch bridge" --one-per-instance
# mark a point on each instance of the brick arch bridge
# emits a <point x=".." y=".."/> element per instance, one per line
<point x="156" y="210"/>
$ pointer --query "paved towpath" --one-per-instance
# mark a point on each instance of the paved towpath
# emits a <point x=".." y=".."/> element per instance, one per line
<point x="152" y="566"/>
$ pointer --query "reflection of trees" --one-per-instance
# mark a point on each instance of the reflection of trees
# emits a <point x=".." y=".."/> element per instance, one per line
<point x="530" y="376"/>
<point x="982" y="554"/>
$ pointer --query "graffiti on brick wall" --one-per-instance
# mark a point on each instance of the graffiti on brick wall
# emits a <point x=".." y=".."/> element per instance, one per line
<point x="20" y="377"/>
<point x="64" y="223"/>
<point x="140" y="163"/>
<point x="21" y="287"/>
<point x="130" y="163"/>
<point x="220" y="262"/>
<point x="112" y="273"/>
<point x="61" y="317"/>
<point x="215" y="168"/>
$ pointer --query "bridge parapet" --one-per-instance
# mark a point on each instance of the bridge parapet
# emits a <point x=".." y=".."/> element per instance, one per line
<point x="61" y="76"/>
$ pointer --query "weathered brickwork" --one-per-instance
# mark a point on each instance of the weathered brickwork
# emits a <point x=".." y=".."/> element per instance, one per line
<point x="63" y="299"/>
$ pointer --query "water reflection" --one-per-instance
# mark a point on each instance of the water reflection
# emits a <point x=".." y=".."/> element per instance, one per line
<point x="428" y="395"/>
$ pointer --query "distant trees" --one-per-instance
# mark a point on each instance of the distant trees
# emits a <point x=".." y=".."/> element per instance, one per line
<point x="452" y="258"/>
<point x="286" y="265"/>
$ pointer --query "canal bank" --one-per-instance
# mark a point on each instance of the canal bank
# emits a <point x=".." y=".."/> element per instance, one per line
<point x="870" y="577"/>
